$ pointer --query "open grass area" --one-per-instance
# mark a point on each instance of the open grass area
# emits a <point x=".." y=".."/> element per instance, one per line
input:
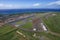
<point x="6" y="28"/>
<point x="52" y="37"/>
<point x="7" y="36"/>
<point x="29" y="19"/>
<point x="19" y="22"/>
<point x="53" y="23"/>
<point x="7" y="32"/>
<point x="27" y="25"/>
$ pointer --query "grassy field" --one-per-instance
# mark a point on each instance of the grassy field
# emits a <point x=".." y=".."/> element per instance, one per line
<point x="28" y="25"/>
<point x="29" y="19"/>
<point x="7" y="32"/>
<point x="19" y="22"/>
<point x="53" y="23"/>
<point x="52" y="37"/>
<point x="6" y="28"/>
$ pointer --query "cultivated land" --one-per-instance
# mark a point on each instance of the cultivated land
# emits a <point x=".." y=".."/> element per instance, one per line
<point x="26" y="31"/>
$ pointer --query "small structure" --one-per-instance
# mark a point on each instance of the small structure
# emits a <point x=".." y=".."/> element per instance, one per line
<point x="17" y="25"/>
<point x="53" y="14"/>
<point x="34" y="29"/>
<point x="43" y="26"/>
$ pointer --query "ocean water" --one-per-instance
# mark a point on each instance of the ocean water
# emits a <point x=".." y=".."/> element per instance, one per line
<point x="14" y="11"/>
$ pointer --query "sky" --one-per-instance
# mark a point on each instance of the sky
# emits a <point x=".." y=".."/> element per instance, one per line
<point x="25" y="4"/>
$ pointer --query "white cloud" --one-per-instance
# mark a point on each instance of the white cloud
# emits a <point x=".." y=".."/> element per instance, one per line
<point x="36" y="4"/>
<point x="8" y="6"/>
<point x="54" y="3"/>
<point x="17" y="6"/>
<point x="5" y="5"/>
<point x="14" y="6"/>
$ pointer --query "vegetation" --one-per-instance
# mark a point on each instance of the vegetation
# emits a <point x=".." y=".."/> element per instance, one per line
<point x="53" y="23"/>
<point x="28" y="25"/>
<point x="19" y="22"/>
<point x="6" y="28"/>
<point x="9" y="32"/>
<point x="52" y="37"/>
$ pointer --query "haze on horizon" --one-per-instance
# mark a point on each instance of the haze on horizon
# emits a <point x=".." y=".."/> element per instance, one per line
<point x="23" y="4"/>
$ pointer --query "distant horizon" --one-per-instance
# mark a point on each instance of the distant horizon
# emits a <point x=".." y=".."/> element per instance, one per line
<point x="13" y="11"/>
<point x="31" y="8"/>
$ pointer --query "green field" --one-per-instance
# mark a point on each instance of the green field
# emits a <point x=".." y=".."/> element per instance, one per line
<point x="53" y="23"/>
<point x="19" y="22"/>
<point x="6" y="28"/>
<point x="28" y="25"/>
<point x="7" y="32"/>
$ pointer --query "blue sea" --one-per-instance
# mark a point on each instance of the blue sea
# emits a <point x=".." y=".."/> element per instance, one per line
<point x="14" y="11"/>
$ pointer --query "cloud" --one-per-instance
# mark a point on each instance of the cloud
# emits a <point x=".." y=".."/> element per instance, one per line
<point x="8" y="6"/>
<point x="36" y="4"/>
<point x="17" y="6"/>
<point x="14" y="6"/>
<point x="54" y="3"/>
